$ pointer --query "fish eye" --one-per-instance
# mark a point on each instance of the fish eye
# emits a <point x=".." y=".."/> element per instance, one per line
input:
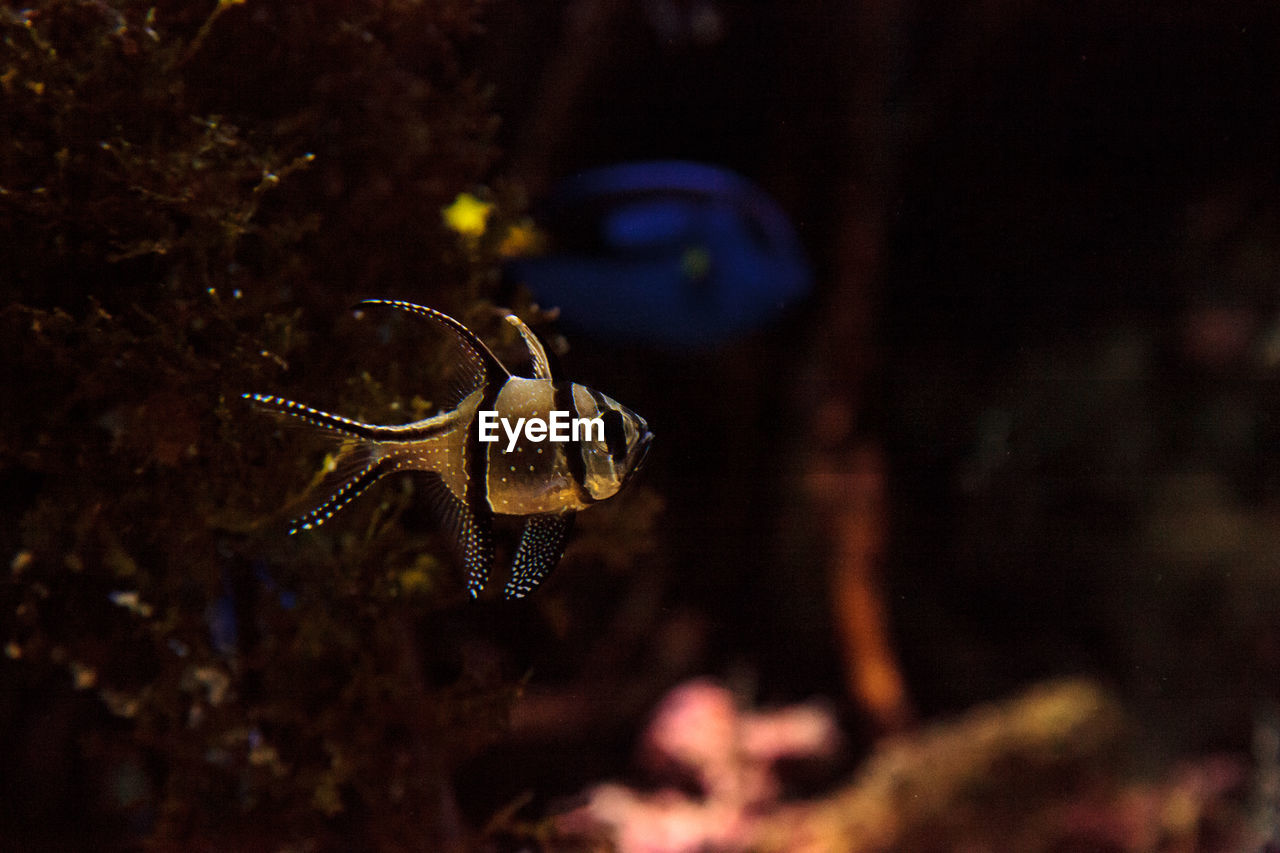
<point x="615" y="436"/>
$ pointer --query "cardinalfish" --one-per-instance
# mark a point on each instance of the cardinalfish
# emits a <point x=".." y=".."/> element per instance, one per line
<point x="571" y="447"/>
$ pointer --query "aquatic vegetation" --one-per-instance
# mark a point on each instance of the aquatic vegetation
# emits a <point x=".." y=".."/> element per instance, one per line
<point x="188" y="193"/>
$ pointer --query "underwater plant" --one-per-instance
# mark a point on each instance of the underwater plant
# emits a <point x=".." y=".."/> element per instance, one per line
<point x="189" y="191"/>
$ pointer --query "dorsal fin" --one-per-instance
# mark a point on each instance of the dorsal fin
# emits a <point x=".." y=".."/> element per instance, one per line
<point x="480" y="364"/>
<point x="542" y="368"/>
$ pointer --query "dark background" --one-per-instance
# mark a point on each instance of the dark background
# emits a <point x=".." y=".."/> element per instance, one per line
<point x="1069" y="354"/>
<point x="1046" y="250"/>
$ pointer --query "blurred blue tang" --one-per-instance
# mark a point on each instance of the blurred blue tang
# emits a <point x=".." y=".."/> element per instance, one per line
<point x="673" y="253"/>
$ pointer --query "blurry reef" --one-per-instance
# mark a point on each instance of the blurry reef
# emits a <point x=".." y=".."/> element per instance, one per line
<point x="1038" y="772"/>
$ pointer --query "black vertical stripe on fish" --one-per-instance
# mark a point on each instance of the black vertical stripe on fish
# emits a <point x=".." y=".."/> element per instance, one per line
<point x="477" y="458"/>
<point x="572" y="448"/>
<point x="602" y="405"/>
<point x="615" y="437"/>
<point x="610" y="415"/>
<point x="477" y="525"/>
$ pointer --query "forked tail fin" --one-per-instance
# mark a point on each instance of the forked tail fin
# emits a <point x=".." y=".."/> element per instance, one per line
<point x="315" y="417"/>
<point x="358" y="463"/>
<point x="356" y="468"/>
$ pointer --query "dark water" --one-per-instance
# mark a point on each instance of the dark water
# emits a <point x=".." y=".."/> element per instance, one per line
<point x="1045" y="244"/>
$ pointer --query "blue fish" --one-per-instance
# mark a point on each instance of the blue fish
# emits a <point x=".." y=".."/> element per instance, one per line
<point x="683" y="255"/>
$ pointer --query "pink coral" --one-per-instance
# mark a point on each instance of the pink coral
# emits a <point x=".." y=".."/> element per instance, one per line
<point x="698" y="730"/>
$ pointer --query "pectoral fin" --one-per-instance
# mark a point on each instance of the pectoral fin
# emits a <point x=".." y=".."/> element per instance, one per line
<point x="541" y="546"/>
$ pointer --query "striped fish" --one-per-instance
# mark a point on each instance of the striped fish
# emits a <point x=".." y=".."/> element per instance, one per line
<point x="546" y="482"/>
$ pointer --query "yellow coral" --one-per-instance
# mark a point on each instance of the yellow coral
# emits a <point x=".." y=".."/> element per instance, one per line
<point x="522" y="238"/>
<point x="468" y="215"/>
